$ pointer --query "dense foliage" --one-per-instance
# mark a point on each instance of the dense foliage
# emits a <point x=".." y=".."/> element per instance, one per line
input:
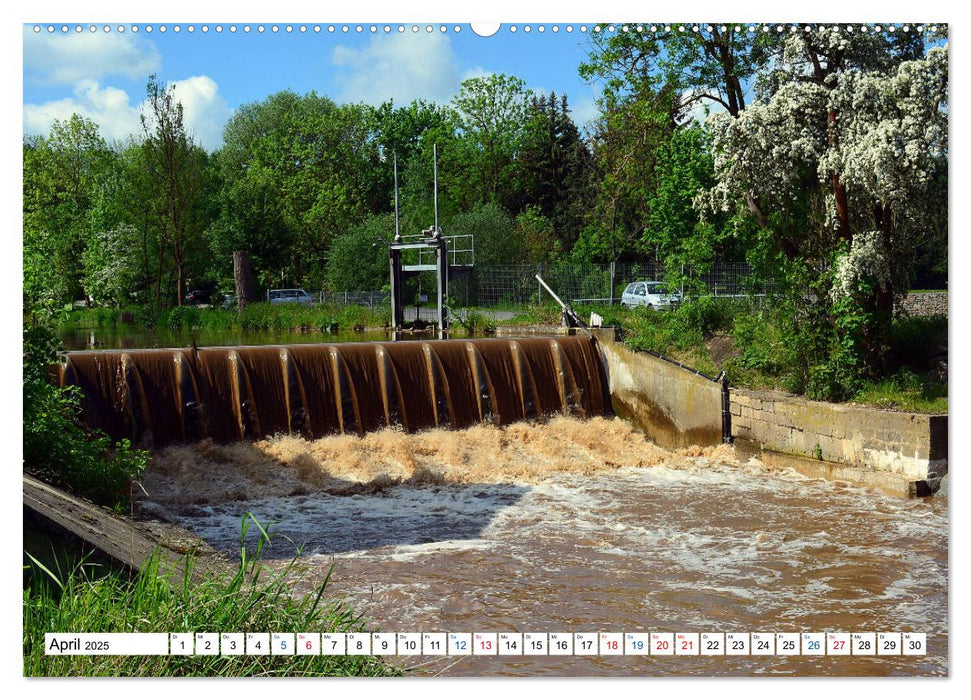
<point x="819" y="156"/>
<point x="56" y="447"/>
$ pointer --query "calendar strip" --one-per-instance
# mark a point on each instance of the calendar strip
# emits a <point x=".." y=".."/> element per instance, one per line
<point x="489" y="644"/>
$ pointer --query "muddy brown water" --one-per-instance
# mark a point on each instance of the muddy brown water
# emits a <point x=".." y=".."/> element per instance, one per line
<point x="577" y="526"/>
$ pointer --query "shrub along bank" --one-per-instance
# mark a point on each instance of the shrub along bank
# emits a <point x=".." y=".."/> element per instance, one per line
<point x="767" y="347"/>
<point x="261" y="316"/>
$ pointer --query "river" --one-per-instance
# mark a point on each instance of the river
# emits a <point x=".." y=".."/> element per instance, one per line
<point x="578" y="526"/>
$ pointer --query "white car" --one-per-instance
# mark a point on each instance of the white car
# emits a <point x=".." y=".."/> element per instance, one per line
<point x="651" y="294"/>
<point x="289" y="296"/>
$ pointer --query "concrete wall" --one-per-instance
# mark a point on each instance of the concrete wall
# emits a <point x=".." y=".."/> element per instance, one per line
<point x="924" y="304"/>
<point x="901" y="453"/>
<point x="910" y="446"/>
<point x="675" y="407"/>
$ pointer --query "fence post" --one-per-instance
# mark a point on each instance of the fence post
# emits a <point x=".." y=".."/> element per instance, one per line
<point x="612" y="273"/>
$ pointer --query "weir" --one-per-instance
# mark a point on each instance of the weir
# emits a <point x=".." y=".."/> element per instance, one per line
<point x="158" y="397"/>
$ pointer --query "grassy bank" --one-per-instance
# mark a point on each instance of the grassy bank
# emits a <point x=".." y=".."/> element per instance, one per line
<point x="253" y="599"/>
<point x="760" y="348"/>
<point x="261" y="316"/>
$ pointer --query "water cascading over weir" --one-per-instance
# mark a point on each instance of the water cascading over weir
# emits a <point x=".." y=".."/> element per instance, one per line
<point x="158" y="397"/>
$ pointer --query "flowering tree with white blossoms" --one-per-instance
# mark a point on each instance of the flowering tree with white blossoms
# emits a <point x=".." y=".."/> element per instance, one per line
<point x="841" y="166"/>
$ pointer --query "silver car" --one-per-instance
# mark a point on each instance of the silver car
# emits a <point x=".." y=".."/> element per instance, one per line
<point x="289" y="296"/>
<point x="650" y="293"/>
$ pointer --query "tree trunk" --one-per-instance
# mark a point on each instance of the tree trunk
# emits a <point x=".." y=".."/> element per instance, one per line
<point x="180" y="285"/>
<point x="243" y="276"/>
<point x="839" y="191"/>
<point x="158" y="277"/>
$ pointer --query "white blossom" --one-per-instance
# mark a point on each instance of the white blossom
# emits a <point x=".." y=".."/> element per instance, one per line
<point x="867" y="260"/>
<point x="888" y="146"/>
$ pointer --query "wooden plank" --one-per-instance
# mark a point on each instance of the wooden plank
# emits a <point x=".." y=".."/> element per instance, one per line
<point x="123" y="540"/>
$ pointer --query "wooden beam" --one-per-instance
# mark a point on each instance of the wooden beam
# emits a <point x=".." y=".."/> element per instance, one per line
<point x="126" y="542"/>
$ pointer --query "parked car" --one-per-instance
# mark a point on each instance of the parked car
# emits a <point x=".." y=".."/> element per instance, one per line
<point x="651" y="294"/>
<point x="198" y="296"/>
<point x="289" y="296"/>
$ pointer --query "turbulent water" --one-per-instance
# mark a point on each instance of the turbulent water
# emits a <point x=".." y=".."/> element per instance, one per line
<point x="578" y="526"/>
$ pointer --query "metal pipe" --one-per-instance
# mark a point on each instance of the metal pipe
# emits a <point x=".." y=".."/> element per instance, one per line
<point x="397" y="227"/>
<point x="552" y="293"/>
<point x="726" y="410"/>
<point x="567" y="310"/>
<point x="435" y="166"/>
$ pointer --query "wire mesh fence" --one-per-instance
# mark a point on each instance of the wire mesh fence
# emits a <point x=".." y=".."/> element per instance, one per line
<point x="516" y="286"/>
<point x="371" y="299"/>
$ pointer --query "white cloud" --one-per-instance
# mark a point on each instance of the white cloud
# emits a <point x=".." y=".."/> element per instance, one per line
<point x="403" y="67"/>
<point x="108" y="107"/>
<point x="204" y="109"/>
<point x="584" y="111"/>
<point x="69" y="58"/>
<point x="475" y="72"/>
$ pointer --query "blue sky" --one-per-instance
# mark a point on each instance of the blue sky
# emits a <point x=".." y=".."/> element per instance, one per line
<point x="102" y="75"/>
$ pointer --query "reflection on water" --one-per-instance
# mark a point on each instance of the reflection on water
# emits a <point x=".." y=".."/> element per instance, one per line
<point x="680" y="544"/>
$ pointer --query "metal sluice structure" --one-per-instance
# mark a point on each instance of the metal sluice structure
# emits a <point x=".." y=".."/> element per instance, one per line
<point x="430" y="253"/>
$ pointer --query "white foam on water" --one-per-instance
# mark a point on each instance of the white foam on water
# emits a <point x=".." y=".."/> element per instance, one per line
<point x="695" y="542"/>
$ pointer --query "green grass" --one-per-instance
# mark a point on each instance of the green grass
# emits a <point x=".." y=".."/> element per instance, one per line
<point x="253" y="599"/>
<point x="679" y="333"/>
<point x="260" y="316"/>
<point x="906" y="391"/>
<point x="535" y="316"/>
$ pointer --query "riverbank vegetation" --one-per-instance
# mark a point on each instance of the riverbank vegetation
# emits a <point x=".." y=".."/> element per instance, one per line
<point x="253" y="598"/>
<point x="260" y="316"/>
<point x="57" y="448"/>
<point x="762" y="345"/>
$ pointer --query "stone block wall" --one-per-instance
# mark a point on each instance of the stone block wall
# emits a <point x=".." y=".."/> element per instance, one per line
<point x="910" y="445"/>
<point x="675" y="407"/>
<point x="924" y="304"/>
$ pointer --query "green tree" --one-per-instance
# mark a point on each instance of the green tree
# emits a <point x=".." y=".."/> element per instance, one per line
<point x="313" y="168"/>
<point x="708" y="65"/>
<point x="841" y="169"/>
<point x="111" y="265"/>
<point x="62" y="173"/>
<point x="537" y="235"/>
<point x="554" y="169"/>
<point x="673" y="232"/>
<point x="177" y="169"/>
<point x="124" y="239"/>
<point x="652" y="82"/>
<point x="359" y="257"/>
<point x="498" y="240"/>
<point x="492" y="114"/>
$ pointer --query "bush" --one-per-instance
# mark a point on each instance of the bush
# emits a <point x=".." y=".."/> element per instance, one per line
<point x="56" y="447"/>
<point x="706" y="315"/>
<point x="181" y="317"/>
<point x="906" y="391"/>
